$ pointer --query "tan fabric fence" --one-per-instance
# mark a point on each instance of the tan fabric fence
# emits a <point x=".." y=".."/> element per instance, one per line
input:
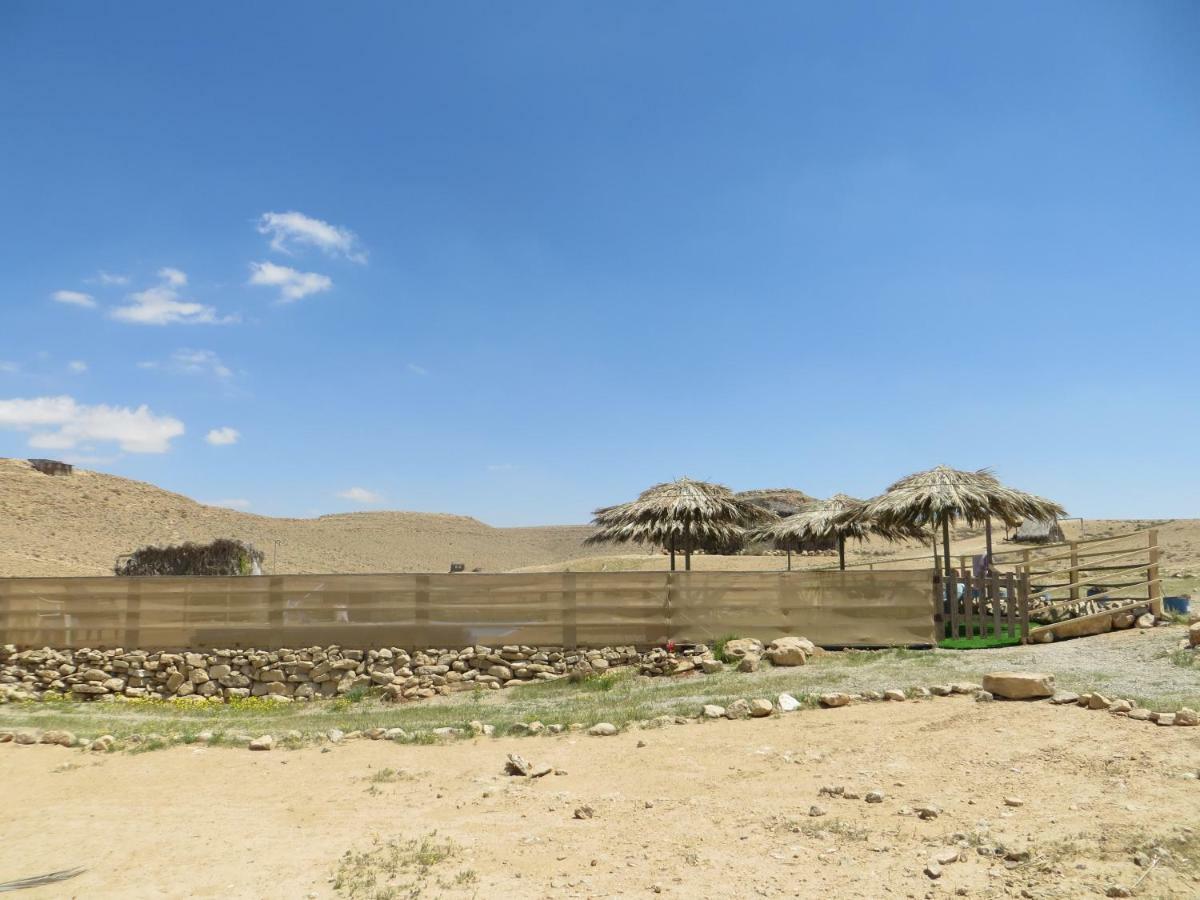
<point x="587" y="609"/>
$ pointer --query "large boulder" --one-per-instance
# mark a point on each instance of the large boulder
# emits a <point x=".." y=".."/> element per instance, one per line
<point x="1194" y="635"/>
<point x="739" y="647"/>
<point x="789" y="651"/>
<point x="1019" y="685"/>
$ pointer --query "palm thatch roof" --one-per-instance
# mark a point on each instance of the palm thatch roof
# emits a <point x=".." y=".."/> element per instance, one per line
<point x="943" y="493"/>
<point x="222" y="557"/>
<point x="684" y="514"/>
<point x="1035" y="531"/>
<point x="781" y="501"/>
<point x="839" y="518"/>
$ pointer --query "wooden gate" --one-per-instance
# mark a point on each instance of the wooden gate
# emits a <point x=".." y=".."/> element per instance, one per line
<point x="991" y="606"/>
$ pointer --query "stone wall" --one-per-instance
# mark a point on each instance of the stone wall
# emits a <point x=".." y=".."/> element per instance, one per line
<point x="308" y="674"/>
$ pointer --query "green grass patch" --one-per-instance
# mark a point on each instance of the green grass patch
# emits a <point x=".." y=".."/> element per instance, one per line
<point x="981" y="638"/>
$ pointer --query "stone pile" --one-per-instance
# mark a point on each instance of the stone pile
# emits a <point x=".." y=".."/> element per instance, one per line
<point x="309" y="673"/>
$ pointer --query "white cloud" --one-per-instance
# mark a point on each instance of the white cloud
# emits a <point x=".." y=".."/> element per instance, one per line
<point x="173" y="277"/>
<point x="223" y="437"/>
<point x="78" y="366"/>
<point x="59" y="423"/>
<point x="417" y="370"/>
<point x="359" y="495"/>
<point x="162" y="305"/>
<point x="103" y="277"/>
<point x="234" y="503"/>
<point x="293" y="228"/>
<point x="292" y="284"/>
<point x="192" y="362"/>
<point x="74" y="298"/>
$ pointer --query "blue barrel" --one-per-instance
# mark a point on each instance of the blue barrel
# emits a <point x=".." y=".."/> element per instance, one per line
<point x="1176" y="605"/>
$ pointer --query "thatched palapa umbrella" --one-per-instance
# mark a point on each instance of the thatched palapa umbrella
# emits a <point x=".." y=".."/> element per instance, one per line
<point x="944" y="495"/>
<point x="838" y="518"/>
<point x="682" y="515"/>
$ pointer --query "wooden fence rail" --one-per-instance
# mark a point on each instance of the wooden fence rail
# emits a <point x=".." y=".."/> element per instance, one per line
<point x="550" y="608"/>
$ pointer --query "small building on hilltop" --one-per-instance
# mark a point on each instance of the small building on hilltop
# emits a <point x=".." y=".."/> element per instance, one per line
<point x="1033" y="531"/>
<point x="52" y="466"/>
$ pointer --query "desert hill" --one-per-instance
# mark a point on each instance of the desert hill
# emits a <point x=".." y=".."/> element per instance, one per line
<point x="78" y="524"/>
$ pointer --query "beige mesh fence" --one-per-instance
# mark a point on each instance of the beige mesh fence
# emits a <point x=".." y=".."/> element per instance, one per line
<point x="553" y="608"/>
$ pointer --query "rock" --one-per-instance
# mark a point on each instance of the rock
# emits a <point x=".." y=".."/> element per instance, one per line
<point x="832" y="790"/>
<point x="947" y="856"/>
<point x="266" y="742"/>
<point x="1099" y="701"/>
<point x="1123" y="620"/>
<point x="941" y="690"/>
<point x="25" y="737"/>
<point x="760" y="708"/>
<point x="749" y="663"/>
<point x="1145" y="620"/>
<point x="584" y="812"/>
<point x="602" y="729"/>
<point x="518" y="765"/>
<point x="1118" y="890"/>
<point x="711" y="666"/>
<point x="1139" y="714"/>
<point x="788" y="703"/>
<point x="894" y="694"/>
<point x="1194" y="634"/>
<point x="1064" y="698"/>
<point x="832" y="701"/>
<point x="1019" y="685"/>
<point x="789" y="651"/>
<point x="927" y="811"/>
<point x="817" y="810"/>
<point x="738" y="709"/>
<point x="104" y="743"/>
<point x="61" y="738"/>
<point x="1120" y="706"/>
<point x="712" y="711"/>
<point x="964" y="687"/>
<point x="1013" y="801"/>
<point x="1164" y="718"/>
<point x="1185" y="716"/>
<point x="874" y="797"/>
<point x="739" y="647"/>
<point x="984" y="697"/>
<point x="335" y="735"/>
<point x="933" y="870"/>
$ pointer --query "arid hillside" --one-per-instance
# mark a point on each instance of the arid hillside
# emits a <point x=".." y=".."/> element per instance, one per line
<point x="78" y="524"/>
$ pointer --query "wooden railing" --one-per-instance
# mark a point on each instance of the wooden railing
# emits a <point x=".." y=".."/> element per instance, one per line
<point x="994" y="605"/>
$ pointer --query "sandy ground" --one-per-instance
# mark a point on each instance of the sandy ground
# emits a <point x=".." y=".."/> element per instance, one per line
<point x="78" y="524"/>
<point x="707" y="810"/>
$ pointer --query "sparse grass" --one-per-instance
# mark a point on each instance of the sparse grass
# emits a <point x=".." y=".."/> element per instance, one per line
<point x="1157" y="672"/>
<point x="395" y="869"/>
<point x="718" y="648"/>
<point x="823" y="827"/>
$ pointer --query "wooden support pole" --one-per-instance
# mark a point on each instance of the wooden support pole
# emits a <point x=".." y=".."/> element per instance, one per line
<point x="1154" y="589"/>
<point x="1074" y="572"/>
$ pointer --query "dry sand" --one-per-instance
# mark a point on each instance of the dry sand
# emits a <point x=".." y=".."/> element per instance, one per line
<point x="711" y="810"/>
<point x="78" y="524"/>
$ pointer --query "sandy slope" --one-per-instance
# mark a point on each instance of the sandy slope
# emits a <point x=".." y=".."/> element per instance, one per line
<point x="77" y="525"/>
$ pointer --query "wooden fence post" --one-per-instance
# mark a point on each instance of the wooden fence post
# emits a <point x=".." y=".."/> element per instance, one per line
<point x="1074" y="571"/>
<point x="1024" y="595"/>
<point x="421" y="613"/>
<point x="1154" y="588"/>
<point x="570" y="635"/>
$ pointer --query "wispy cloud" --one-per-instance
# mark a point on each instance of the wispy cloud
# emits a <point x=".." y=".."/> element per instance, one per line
<point x="417" y="370"/>
<point x="288" y="230"/>
<point x="103" y="277"/>
<point x="223" y="437"/>
<point x="292" y="284"/>
<point x="162" y="305"/>
<point x="78" y="366"/>
<point x="59" y="423"/>
<point x="360" y="495"/>
<point x="74" y="298"/>
<point x="191" y="362"/>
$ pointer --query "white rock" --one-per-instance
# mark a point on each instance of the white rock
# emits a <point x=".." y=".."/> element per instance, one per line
<point x="788" y="703"/>
<point x="266" y="742"/>
<point x="602" y="729"/>
<point x="1019" y="685"/>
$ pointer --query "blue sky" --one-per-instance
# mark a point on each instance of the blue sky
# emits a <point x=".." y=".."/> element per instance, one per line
<point x="521" y="260"/>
